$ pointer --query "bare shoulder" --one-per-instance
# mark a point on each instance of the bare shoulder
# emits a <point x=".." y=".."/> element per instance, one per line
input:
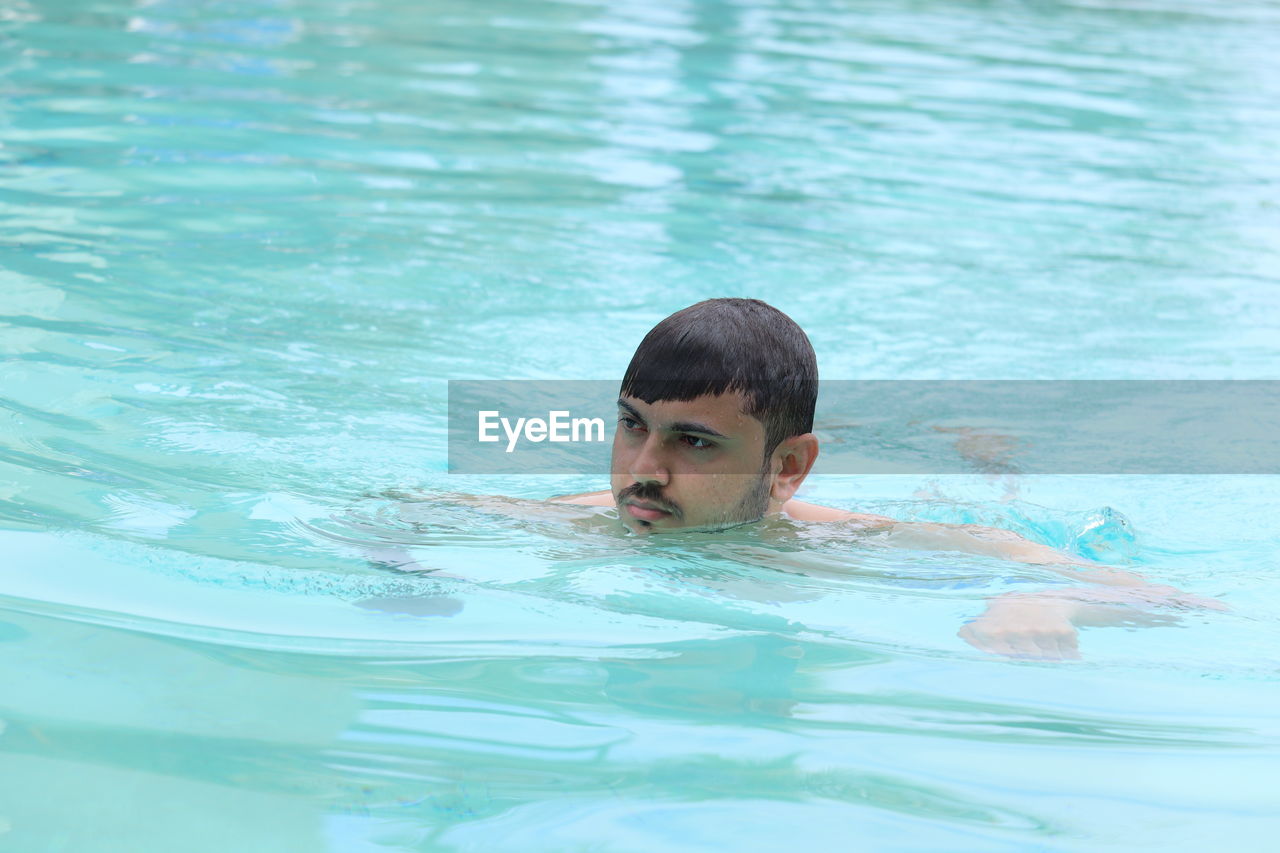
<point x="604" y="498"/>
<point x="801" y="511"/>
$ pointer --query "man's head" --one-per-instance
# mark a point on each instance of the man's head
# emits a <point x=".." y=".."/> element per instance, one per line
<point x="715" y="418"/>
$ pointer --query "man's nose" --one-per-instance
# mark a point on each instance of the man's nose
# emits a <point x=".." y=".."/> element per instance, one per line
<point x="649" y="466"/>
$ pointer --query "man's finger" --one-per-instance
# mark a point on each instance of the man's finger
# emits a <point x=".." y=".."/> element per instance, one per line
<point x="983" y="641"/>
<point x="1071" y="646"/>
<point x="1026" y="646"/>
<point x="1062" y="646"/>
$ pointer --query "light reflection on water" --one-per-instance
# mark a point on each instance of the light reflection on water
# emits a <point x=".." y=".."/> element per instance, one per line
<point x="246" y="244"/>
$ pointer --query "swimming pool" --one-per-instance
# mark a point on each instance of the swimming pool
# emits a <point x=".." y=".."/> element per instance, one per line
<point x="247" y="243"/>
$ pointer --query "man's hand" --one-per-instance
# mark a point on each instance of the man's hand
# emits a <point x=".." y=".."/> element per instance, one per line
<point x="1042" y="625"/>
<point x="1025" y="626"/>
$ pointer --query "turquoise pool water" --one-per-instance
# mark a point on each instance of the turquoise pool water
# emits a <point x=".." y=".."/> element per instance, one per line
<point x="245" y="245"/>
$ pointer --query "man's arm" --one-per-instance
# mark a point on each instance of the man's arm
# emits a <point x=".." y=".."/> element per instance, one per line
<point x="1039" y="625"/>
<point x="1005" y="545"/>
<point x="1042" y="625"/>
<point x="604" y="498"/>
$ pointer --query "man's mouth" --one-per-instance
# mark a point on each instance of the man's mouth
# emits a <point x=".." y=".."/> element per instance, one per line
<point x="646" y="511"/>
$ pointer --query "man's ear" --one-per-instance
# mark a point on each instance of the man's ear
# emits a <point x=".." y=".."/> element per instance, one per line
<point x="792" y="459"/>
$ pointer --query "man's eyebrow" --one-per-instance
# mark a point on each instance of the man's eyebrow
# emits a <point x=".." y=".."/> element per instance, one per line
<point x="694" y="426"/>
<point x="679" y="426"/>
<point x="631" y="410"/>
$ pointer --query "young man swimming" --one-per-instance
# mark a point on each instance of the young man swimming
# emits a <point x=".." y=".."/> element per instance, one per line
<point x="715" y="420"/>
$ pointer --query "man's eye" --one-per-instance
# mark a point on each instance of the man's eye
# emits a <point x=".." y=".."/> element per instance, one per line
<point x="697" y="442"/>
<point x="629" y="423"/>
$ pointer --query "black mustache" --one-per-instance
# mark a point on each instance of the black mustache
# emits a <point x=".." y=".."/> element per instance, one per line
<point x="649" y="493"/>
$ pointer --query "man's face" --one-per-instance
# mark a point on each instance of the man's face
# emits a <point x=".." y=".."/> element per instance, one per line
<point x="697" y="464"/>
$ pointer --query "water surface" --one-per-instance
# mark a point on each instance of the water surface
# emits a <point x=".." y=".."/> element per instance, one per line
<point x="245" y="245"/>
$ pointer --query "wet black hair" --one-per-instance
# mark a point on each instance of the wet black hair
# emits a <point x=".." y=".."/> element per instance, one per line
<point x="727" y="345"/>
